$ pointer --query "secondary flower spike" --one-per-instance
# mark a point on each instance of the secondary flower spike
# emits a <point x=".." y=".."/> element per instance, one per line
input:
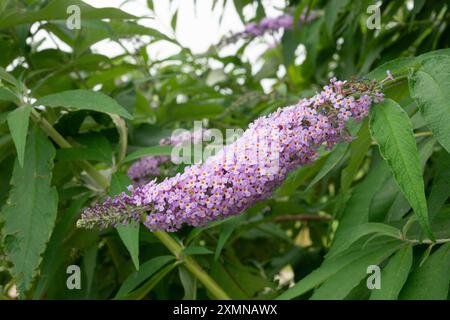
<point x="143" y="169"/>
<point x="245" y="171"/>
<point x="269" y="25"/>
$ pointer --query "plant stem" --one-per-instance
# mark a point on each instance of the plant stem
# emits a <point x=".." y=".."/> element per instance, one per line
<point x="48" y="128"/>
<point x="427" y="241"/>
<point x="192" y="266"/>
<point x="166" y="239"/>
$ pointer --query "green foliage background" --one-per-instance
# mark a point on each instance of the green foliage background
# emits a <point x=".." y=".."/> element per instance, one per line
<point x="380" y="200"/>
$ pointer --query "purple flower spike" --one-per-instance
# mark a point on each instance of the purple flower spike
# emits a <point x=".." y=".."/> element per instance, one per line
<point x="269" y="25"/>
<point x="243" y="172"/>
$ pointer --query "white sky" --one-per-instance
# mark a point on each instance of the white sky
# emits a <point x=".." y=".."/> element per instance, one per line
<point x="198" y="27"/>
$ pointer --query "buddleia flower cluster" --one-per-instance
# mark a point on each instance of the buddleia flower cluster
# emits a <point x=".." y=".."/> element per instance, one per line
<point x="148" y="167"/>
<point x="245" y="171"/>
<point x="268" y="25"/>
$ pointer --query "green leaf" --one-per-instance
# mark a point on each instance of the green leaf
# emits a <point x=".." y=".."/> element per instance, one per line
<point x="97" y="148"/>
<point x="76" y="154"/>
<point x="331" y="13"/>
<point x="194" y="111"/>
<point x="84" y="100"/>
<point x="173" y="22"/>
<point x="189" y="283"/>
<point x="389" y="203"/>
<point x="430" y="87"/>
<point x="343" y="262"/>
<point x="342" y="282"/>
<point x="8" y="95"/>
<point x="3" y="116"/>
<point x="142" y="291"/>
<point x="192" y="250"/>
<point x="31" y="209"/>
<point x="332" y="160"/>
<point x="149" y="151"/>
<point x="396" y="66"/>
<point x="6" y="168"/>
<point x="18" y="121"/>
<point x="239" y="281"/>
<point x="394" y="275"/>
<point x="392" y="130"/>
<point x="129" y="234"/>
<point x="226" y="230"/>
<point x="357" y="232"/>
<point x="57" y="10"/>
<point x="431" y="280"/>
<point x="119" y="183"/>
<point x="440" y="188"/>
<point x="53" y="258"/>
<point x="299" y="176"/>
<point x="146" y="270"/>
<point x="89" y="264"/>
<point x="358" y="150"/>
<point x="4" y="75"/>
<point x="401" y="65"/>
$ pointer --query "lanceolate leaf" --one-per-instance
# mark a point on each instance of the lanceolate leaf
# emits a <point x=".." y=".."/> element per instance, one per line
<point x="129" y="234"/>
<point x="84" y="100"/>
<point x="430" y="281"/>
<point x="7" y="95"/>
<point x="57" y="10"/>
<point x="335" y="156"/>
<point x="357" y="208"/>
<point x="331" y="13"/>
<point x="81" y="153"/>
<point x="340" y="284"/>
<point x="401" y="65"/>
<point x="332" y="266"/>
<point x="394" y="275"/>
<point x="392" y="130"/>
<point x="196" y="250"/>
<point x="226" y="230"/>
<point x="333" y="159"/>
<point x="396" y="66"/>
<point x="149" y="151"/>
<point x="146" y="271"/>
<point x="53" y="259"/>
<point x="357" y="232"/>
<point x="189" y="283"/>
<point x="430" y="87"/>
<point x="31" y="209"/>
<point x="239" y="282"/>
<point x="358" y="150"/>
<point x="18" y="121"/>
<point x="142" y="291"/>
<point x="440" y="188"/>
